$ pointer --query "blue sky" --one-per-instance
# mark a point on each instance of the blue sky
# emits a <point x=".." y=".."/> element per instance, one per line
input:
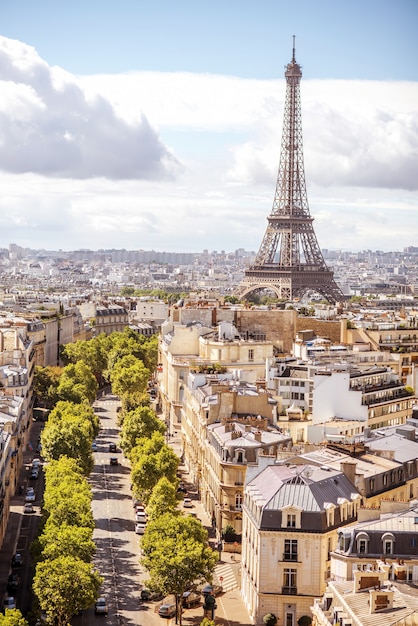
<point x="366" y="39"/>
<point x="137" y="124"/>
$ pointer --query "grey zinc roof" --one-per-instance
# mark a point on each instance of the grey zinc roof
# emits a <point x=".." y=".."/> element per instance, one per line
<point x="403" y="449"/>
<point x="306" y="487"/>
<point x="405" y="602"/>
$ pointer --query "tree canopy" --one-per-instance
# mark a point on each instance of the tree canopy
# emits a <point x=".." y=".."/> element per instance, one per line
<point x="163" y="499"/>
<point x="64" y="586"/>
<point x="139" y="424"/>
<point x="151" y="460"/>
<point x="176" y="554"/>
<point x="77" y="383"/>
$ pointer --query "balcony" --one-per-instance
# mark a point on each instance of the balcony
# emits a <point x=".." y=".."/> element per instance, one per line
<point x="289" y="556"/>
<point x="289" y="591"/>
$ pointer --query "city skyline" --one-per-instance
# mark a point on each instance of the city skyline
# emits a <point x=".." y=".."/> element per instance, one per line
<point x="137" y="128"/>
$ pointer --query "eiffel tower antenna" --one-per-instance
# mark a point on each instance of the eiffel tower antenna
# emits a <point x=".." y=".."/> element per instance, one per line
<point x="289" y="261"/>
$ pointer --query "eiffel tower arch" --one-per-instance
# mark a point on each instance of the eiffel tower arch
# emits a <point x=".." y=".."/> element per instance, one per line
<point x="289" y="261"/>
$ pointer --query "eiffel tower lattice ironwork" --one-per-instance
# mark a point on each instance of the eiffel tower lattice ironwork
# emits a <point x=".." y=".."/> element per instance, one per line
<point x="289" y="261"/>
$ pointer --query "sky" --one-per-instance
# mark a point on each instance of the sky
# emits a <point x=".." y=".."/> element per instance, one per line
<point x="157" y="125"/>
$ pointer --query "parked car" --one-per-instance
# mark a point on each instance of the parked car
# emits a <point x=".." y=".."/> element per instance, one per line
<point x="28" y="508"/>
<point x="213" y="590"/>
<point x="34" y="474"/>
<point x="13" y="583"/>
<point x="17" y="560"/>
<point x="139" y="528"/>
<point x="113" y="461"/>
<point x="36" y="463"/>
<point x="167" y="610"/>
<point x="94" y="446"/>
<point x="187" y="503"/>
<point x="100" y="608"/>
<point x="191" y="598"/>
<point x="140" y="517"/>
<point x="149" y="596"/>
<point x="9" y="603"/>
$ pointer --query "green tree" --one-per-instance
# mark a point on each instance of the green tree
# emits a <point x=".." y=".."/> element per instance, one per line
<point x="92" y="352"/>
<point x="64" y="586"/>
<point x="138" y="424"/>
<point x="64" y="469"/>
<point x="45" y="384"/>
<point x="177" y="555"/>
<point x="65" y="409"/>
<point x="77" y="383"/>
<point x="163" y="499"/>
<point x="151" y="460"/>
<point x="12" y="617"/>
<point x="75" y="541"/>
<point x="72" y="437"/>
<point x="129" y="376"/>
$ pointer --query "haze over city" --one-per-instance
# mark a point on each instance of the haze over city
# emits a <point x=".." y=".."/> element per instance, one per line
<point x="158" y="125"/>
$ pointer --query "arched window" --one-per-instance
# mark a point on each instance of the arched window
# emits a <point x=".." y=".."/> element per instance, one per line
<point x="388" y="541"/>
<point x="362" y="540"/>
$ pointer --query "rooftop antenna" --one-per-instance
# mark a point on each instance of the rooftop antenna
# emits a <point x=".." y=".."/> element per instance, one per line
<point x="294" y="56"/>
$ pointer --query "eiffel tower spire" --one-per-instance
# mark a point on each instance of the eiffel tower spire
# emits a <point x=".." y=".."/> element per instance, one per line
<point x="289" y="261"/>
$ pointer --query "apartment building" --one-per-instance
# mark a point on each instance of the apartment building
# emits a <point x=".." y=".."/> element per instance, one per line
<point x="290" y="516"/>
<point x="225" y="425"/>
<point x="201" y="348"/>
<point x="374" y="398"/>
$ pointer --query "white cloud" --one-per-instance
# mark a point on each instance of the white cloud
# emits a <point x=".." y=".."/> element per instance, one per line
<point x="48" y="126"/>
<point x="94" y="161"/>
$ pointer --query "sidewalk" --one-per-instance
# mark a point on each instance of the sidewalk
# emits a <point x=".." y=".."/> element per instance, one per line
<point x="231" y="610"/>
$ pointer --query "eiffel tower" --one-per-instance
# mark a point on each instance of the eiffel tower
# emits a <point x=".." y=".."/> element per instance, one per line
<point x="289" y="261"/>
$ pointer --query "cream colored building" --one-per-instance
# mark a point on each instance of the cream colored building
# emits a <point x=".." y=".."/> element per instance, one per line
<point x="195" y="347"/>
<point x="289" y="522"/>
<point x="225" y="425"/>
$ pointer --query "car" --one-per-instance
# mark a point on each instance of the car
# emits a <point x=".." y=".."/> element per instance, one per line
<point x="34" y="474"/>
<point x="141" y="518"/>
<point x="100" y="608"/>
<point x="30" y="495"/>
<point x="113" y="461"/>
<point x="139" y="528"/>
<point x="139" y="508"/>
<point x="187" y="503"/>
<point x="36" y="463"/>
<point x="9" y="603"/>
<point x="13" y="583"/>
<point x="167" y="610"/>
<point x="17" y="560"/>
<point x="149" y="596"/>
<point x="213" y="590"/>
<point x="28" y="508"/>
<point x="191" y="598"/>
<point x="94" y="446"/>
<point x="112" y="447"/>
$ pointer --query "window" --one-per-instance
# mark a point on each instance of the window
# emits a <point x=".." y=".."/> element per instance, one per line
<point x="251" y="355"/>
<point x="289" y="581"/>
<point x="291" y="520"/>
<point x="238" y="501"/>
<point x="388" y="546"/>
<point x="290" y="550"/>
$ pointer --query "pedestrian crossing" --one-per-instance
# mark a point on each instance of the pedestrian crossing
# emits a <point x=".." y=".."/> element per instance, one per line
<point x="224" y="576"/>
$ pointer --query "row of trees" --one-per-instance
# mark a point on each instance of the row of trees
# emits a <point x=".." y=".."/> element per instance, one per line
<point x="125" y="360"/>
<point x="65" y="580"/>
<point x="175" y="546"/>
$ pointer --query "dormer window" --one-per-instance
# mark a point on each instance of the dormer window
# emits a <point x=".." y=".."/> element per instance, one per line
<point x="362" y="541"/>
<point x="388" y="541"/>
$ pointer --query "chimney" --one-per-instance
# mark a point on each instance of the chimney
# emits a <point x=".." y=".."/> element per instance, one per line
<point x="349" y="469"/>
<point x="257" y="436"/>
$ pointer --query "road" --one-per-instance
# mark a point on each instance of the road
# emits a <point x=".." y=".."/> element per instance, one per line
<point x="118" y="547"/>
